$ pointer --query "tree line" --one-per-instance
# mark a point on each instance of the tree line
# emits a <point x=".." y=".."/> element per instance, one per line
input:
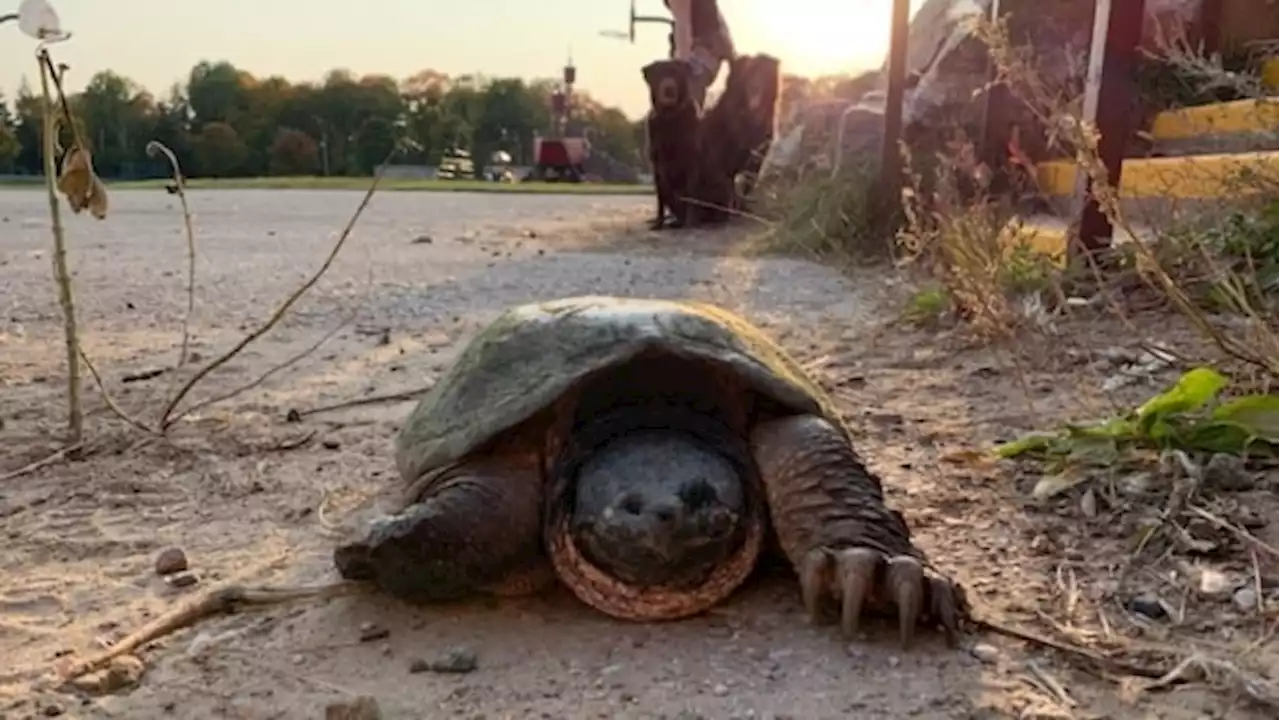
<point x="226" y="122"/>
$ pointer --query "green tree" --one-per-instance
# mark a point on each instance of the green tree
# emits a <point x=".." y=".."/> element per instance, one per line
<point x="9" y="145"/>
<point x="28" y="116"/>
<point x="224" y="121"/>
<point x="293" y="152"/>
<point x="118" y="117"/>
<point x="219" y="151"/>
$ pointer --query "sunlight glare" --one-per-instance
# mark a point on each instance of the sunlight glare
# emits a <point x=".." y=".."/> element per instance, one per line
<point x="814" y="37"/>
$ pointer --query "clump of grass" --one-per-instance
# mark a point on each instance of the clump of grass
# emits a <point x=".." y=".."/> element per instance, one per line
<point x="1248" y="336"/>
<point x="968" y="241"/>
<point x="927" y="306"/>
<point x="830" y="214"/>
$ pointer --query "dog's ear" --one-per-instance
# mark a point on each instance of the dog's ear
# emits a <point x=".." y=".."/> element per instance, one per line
<point x="650" y="72"/>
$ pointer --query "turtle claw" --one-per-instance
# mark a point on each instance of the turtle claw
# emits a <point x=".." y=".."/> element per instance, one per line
<point x="856" y="569"/>
<point x="861" y="578"/>
<point x="906" y="586"/>
<point x="815" y="578"/>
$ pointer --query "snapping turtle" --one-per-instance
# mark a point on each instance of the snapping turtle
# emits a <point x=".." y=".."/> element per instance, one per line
<point x="652" y="451"/>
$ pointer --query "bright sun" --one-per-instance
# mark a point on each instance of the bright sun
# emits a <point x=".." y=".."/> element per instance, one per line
<point x="814" y="36"/>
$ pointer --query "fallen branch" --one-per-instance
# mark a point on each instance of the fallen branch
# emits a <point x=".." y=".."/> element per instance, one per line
<point x="167" y="418"/>
<point x="296" y="415"/>
<point x="1258" y="689"/>
<point x="43" y="462"/>
<point x="224" y="601"/>
<point x="1093" y="657"/>
<point x="1242" y="535"/>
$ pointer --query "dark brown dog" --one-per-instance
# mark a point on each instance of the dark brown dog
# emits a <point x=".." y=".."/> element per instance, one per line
<point x="734" y="133"/>
<point x="760" y="118"/>
<point x="672" y="129"/>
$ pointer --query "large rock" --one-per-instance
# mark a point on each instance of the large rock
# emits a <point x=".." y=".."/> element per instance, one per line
<point x="952" y="63"/>
<point x="947" y="65"/>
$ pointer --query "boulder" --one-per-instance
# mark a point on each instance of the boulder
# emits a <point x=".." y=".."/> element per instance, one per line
<point x="947" y="71"/>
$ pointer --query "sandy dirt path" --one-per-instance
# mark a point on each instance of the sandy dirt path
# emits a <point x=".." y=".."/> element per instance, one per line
<point x="422" y="273"/>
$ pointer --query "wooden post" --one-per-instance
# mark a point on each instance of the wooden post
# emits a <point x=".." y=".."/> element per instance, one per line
<point x="1109" y="89"/>
<point x="1207" y="33"/>
<point x="896" y="82"/>
<point x="997" y="105"/>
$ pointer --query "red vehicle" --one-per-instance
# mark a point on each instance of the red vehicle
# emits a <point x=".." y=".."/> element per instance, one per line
<point x="558" y="158"/>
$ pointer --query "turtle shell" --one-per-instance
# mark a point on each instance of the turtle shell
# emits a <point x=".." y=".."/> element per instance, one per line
<point x="531" y="354"/>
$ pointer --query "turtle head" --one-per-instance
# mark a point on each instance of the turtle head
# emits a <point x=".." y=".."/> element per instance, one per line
<point x="658" y="508"/>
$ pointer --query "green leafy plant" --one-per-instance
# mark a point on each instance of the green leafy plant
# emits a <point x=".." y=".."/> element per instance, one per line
<point x="1188" y="416"/>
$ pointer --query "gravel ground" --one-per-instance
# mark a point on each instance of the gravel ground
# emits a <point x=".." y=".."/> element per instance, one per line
<point x="252" y="499"/>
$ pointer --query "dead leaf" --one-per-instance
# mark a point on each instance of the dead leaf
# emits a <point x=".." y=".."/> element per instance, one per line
<point x="81" y="185"/>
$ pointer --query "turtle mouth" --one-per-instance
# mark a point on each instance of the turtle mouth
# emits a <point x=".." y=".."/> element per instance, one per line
<point x="644" y="550"/>
<point x="619" y="598"/>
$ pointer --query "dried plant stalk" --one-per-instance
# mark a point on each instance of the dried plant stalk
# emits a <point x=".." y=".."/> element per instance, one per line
<point x="66" y="298"/>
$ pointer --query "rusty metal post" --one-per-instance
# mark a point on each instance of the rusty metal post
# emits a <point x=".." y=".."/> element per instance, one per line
<point x="1109" y="88"/>
<point x="895" y="90"/>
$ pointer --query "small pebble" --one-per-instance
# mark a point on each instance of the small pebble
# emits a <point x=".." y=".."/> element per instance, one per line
<point x="1148" y="606"/>
<point x="1245" y="599"/>
<point x="370" y="632"/>
<point x="1225" y="471"/>
<point x="361" y="708"/>
<point x="720" y="690"/>
<point x="1214" y="584"/>
<point x="456" y="661"/>
<point x="985" y="653"/>
<point x="171" y="560"/>
<point x="182" y="579"/>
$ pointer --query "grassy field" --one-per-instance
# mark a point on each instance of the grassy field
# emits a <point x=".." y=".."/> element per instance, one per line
<point x="361" y="183"/>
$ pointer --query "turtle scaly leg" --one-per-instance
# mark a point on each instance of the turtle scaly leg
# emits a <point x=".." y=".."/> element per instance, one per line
<point x="474" y="529"/>
<point x="843" y="541"/>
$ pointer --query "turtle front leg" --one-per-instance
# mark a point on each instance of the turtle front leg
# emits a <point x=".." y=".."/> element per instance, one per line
<point x="845" y="544"/>
<point x="474" y="529"/>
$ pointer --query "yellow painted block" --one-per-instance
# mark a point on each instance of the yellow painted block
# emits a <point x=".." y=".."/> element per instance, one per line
<point x="1271" y="74"/>
<point x="1045" y="236"/>
<point x="1193" y="176"/>
<point x="1240" y="116"/>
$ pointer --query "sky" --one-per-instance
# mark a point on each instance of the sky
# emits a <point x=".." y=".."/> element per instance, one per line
<point x="155" y="42"/>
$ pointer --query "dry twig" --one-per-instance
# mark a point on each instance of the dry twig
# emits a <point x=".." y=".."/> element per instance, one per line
<point x="106" y="396"/>
<point x="154" y="148"/>
<point x="224" y="601"/>
<point x="66" y="297"/>
<point x="295" y="415"/>
<point x="168" y="416"/>
<point x="43" y="462"/>
<point x="287" y="363"/>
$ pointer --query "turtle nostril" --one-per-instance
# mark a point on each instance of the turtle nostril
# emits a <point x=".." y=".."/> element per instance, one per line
<point x="697" y="494"/>
<point x="631" y="505"/>
<point x="665" y="514"/>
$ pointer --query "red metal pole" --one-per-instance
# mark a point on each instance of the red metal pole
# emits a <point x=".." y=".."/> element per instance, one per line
<point x="896" y="82"/>
<point x="1117" y="31"/>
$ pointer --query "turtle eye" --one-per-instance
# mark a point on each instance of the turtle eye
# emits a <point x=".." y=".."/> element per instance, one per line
<point x="697" y="494"/>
